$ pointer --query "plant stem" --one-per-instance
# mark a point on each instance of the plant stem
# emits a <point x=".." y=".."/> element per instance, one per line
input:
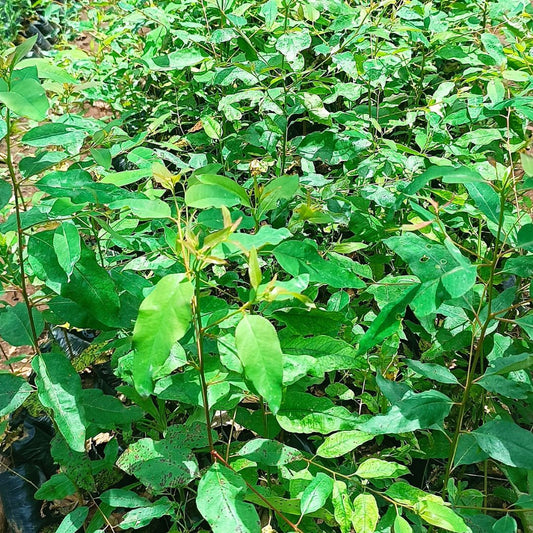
<point x="283" y="159"/>
<point x="199" y="334"/>
<point x="473" y="362"/>
<point x="20" y="233"/>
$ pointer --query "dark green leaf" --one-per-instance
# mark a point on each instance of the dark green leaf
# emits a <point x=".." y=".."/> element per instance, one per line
<point x="73" y="521"/>
<point x="59" y="388"/>
<point x="13" y="391"/>
<point x="57" y="487"/>
<point x="506" y="442"/>
<point x="15" y="324"/>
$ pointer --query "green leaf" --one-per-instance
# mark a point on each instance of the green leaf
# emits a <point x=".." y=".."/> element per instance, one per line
<point x="5" y="192"/>
<point x="486" y="200"/>
<point x="329" y="354"/>
<point x="302" y="257"/>
<point x="293" y="42"/>
<point x="412" y="412"/>
<point x="48" y="70"/>
<point x="108" y="412"/>
<point x="510" y="363"/>
<point x="90" y="285"/>
<point x="123" y="498"/>
<point x="332" y="148"/>
<point x="494" y="48"/>
<point x="441" y="516"/>
<point x="315" y="495"/>
<point x="22" y="50"/>
<point x="164" y="317"/>
<point x="527" y="163"/>
<point x="30" y="166"/>
<point x="406" y="494"/>
<point x="210" y="190"/>
<point x="15" y="324"/>
<point x="506" y="524"/>
<point x="59" y="388"/>
<point x="282" y="188"/>
<point x="13" y="391"/>
<point x="73" y="521"/>
<point x="509" y="388"/>
<point x="378" y="469"/>
<point x="67" y="246"/>
<point x="178" y="60"/>
<point x="432" y="371"/>
<point x="27" y="99"/>
<point x="260" y="353"/>
<point x="342" y="506"/>
<point x="429" y="261"/>
<point x="220" y="501"/>
<point x="448" y="174"/>
<point x="269" y="10"/>
<point x="143" y="207"/>
<point x="212" y="127"/>
<point x="387" y="322"/>
<point x="524" y="239"/>
<point x="57" y="487"/>
<point x="496" y="91"/>
<point x="53" y="134"/>
<point x="401" y="525"/>
<point x="269" y="452"/>
<point x="468" y="451"/>
<point x="141" y="517"/>
<point x="506" y="442"/>
<point x="305" y="413"/>
<point x="163" y="464"/>
<point x="365" y="514"/>
<point x="343" y="442"/>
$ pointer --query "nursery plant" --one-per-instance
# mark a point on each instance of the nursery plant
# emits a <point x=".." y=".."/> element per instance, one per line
<point x="303" y="240"/>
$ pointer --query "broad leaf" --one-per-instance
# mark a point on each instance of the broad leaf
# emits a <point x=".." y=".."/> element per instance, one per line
<point x="73" y="521"/>
<point x="365" y="514"/>
<point x="59" y="388"/>
<point x="387" y="322"/>
<point x="305" y="413"/>
<point x="432" y="371"/>
<point x="269" y="452"/>
<point x="139" y="518"/>
<point x="57" y="487"/>
<point x="162" y="464"/>
<point x="506" y="442"/>
<point x="316" y="493"/>
<point x="13" y="391"/>
<point x="378" y="469"/>
<point x="342" y="506"/>
<point x="164" y="317"/>
<point x="343" y="442"/>
<point x="108" y="412"/>
<point x="67" y="246"/>
<point x="15" y="324"/>
<point x="27" y="99"/>
<point x="123" y="498"/>
<point x="260" y="353"/>
<point x="441" y="516"/>
<point x="220" y="500"/>
<point x="209" y="190"/>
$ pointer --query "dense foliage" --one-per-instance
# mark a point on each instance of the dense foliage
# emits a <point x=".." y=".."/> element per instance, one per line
<point x="304" y="240"/>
